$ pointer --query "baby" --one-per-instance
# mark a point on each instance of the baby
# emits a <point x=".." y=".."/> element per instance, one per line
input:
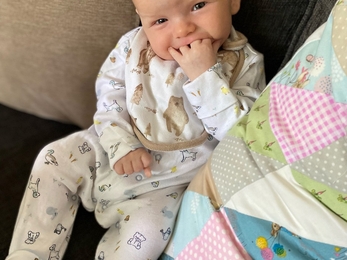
<point x="167" y="94"/>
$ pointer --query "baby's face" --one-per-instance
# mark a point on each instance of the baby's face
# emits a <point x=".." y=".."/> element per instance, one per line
<point x="175" y="23"/>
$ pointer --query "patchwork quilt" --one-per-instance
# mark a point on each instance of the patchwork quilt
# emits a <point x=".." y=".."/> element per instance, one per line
<point x="276" y="185"/>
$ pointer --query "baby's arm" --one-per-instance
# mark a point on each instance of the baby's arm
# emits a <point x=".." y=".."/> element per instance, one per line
<point x="134" y="161"/>
<point x="218" y="105"/>
<point x="111" y="120"/>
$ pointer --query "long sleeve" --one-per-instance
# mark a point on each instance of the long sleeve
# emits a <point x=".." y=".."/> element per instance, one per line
<point x="218" y="105"/>
<point x="111" y="120"/>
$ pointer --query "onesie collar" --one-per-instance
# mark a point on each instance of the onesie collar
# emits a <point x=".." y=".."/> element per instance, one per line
<point x="235" y="42"/>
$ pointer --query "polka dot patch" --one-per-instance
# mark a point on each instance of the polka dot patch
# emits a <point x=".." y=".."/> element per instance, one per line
<point x="337" y="73"/>
<point x="234" y="166"/>
<point x="327" y="166"/>
<point x="339" y="35"/>
<point x="217" y="240"/>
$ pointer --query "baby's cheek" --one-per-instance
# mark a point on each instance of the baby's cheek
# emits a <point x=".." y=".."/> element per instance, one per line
<point x="160" y="48"/>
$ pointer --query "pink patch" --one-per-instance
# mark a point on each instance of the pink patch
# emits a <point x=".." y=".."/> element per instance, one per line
<point x="304" y="121"/>
<point x="217" y="240"/>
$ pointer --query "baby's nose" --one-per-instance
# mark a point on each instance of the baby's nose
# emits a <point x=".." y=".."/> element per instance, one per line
<point x="182" y="28"/>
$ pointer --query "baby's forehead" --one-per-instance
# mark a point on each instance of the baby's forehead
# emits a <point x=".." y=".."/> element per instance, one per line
<point x="159" y="4"/>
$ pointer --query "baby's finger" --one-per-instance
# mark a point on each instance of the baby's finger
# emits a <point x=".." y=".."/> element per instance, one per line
<point x="206" y="41"/>
<point x="146" y="160"/>
<point x="184" y="49"/>
<point x="174" y="53"/>
<point x="118" y="168"/>
<point x="128" y="169"/>
<point x="147" y="171"/>
<point x="137" y="165"/>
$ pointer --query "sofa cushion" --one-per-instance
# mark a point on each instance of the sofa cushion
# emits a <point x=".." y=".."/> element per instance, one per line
<point x="51" y="52"/>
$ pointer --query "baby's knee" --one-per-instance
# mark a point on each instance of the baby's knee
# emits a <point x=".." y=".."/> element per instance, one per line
<point x="47" y="156"/>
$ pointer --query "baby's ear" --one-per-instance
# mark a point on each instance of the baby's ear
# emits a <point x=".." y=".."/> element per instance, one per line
<point x="235" y="6"/>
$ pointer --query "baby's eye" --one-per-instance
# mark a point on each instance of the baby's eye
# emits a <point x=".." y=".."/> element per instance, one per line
<point x="199" y="6"/>
<point x="160" y="21"/>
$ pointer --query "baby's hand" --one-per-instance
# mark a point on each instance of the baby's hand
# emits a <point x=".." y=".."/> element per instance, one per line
<point x="135" y="161"/>
<point x="196" y="58"/>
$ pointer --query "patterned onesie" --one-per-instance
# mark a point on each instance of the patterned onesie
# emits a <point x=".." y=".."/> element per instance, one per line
<point x="143" y="101"/>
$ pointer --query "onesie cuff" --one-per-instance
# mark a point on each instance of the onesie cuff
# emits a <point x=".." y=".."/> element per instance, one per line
<point x="117" y="143"/>
<point x="210" y="94"/>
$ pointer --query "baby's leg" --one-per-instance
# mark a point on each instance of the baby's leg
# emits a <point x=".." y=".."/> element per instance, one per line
<point x="145" y="226"/>
<point x="51" y="199"/>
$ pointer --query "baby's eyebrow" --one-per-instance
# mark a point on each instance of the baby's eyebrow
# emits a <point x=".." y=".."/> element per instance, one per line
<point x="149" y="18"/>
